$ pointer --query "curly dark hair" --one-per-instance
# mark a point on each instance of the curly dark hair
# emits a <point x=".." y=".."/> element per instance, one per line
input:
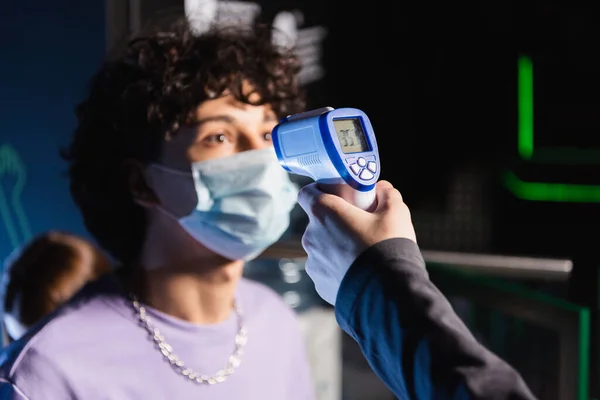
<point x="144" y="94"/>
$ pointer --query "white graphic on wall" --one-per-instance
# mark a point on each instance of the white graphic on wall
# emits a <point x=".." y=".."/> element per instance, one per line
<point x="206" y="13"/>
<point x="307" y="42"/>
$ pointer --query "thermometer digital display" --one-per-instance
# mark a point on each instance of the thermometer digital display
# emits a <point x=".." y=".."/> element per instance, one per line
<point x="334" y="147"/>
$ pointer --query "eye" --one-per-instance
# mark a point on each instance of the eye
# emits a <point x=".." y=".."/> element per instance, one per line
<point x="216" y="138"/>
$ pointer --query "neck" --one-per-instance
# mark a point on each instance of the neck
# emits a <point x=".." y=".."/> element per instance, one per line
<point x="178" y="276"/>
<point x="197" y="298"/>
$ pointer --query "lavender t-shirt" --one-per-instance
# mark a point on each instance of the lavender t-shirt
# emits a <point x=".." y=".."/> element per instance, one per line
<point x="95" y="349"/>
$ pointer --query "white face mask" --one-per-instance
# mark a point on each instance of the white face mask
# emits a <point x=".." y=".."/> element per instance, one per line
<point x="236" y="206"/>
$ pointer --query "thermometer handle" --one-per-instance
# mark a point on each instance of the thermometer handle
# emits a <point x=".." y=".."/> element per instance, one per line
<point x="364" y="200"/>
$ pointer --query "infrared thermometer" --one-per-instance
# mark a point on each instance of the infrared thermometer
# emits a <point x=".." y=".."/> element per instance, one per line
<point x="334" y="147"/>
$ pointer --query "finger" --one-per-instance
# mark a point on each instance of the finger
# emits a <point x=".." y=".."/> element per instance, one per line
<point x="387" y="187"/>
<point x="383" y="184"/>
<point x="387" y="194"/>
<point x="316" y="202"/>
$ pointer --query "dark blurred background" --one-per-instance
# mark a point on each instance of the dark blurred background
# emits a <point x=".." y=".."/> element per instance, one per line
<point x="439" y="82"/>
<point x="486" y="112"/>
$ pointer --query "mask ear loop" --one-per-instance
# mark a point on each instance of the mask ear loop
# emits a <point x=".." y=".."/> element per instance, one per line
<point x="140" y="201"/>
<point x="170" y="170"/>
<point x="160" y="207"/>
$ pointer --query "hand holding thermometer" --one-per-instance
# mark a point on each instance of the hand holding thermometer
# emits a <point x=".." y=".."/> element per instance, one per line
<point x="336" y="148"/>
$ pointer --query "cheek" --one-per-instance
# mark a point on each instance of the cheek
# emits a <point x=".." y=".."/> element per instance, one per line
<point x="175" y="153"/>
<point x="200" y="153"/>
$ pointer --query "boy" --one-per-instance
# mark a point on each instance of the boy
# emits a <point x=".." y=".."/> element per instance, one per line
<point x="172" y="168"/>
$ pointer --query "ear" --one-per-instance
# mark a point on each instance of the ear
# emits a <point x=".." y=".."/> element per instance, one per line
<point x="140" y="191"/>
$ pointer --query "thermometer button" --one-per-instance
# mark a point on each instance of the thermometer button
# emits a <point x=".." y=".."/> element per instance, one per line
<point x="361" y="162"/>
<point x="366" y="175"/>
<point x="355" y="168"/>
<point x="372" y="166"/>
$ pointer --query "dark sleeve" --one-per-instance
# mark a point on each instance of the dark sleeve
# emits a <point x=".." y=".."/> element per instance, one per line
<point x="411" y="336"/>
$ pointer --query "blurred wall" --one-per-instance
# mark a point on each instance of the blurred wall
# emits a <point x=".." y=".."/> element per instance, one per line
<point x="48" y="49"/>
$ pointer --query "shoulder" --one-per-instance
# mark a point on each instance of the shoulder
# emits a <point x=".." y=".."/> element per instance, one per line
<point x="46" y="347"/>
<point x="254" y="294"/>
<point x="262" y="302"/>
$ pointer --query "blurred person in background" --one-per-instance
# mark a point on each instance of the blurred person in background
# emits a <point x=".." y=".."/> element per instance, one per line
<point x="173" y="170"/>
<point x="43" y="275"/>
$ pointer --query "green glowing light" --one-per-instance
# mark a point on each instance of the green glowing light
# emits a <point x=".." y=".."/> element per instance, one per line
<point x="525" y="107"/>
<point x="543" y="191"/>
<point x="557" y="192"/>
<point x="13" y="177"/>
<point x="584" y="354"/>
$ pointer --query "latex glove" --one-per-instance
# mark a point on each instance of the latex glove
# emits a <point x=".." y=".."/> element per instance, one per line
<point x="338" y="232"/>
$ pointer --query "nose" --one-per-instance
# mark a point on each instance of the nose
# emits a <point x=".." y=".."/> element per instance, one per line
<point x="255" y="141"/>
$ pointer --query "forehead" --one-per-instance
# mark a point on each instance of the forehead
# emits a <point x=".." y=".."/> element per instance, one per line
<point x="230" y="106"/>
<point x="227" y="103"/>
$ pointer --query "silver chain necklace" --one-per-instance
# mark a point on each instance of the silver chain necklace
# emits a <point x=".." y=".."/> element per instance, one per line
<point x="167" y="350"/>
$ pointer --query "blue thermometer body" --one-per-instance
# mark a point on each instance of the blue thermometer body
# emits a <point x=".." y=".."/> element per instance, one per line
<point x="334" y="147"/>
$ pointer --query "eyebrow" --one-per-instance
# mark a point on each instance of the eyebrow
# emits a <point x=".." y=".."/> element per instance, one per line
<point x="222" y="118"/>
<point x="226" y="118"/>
